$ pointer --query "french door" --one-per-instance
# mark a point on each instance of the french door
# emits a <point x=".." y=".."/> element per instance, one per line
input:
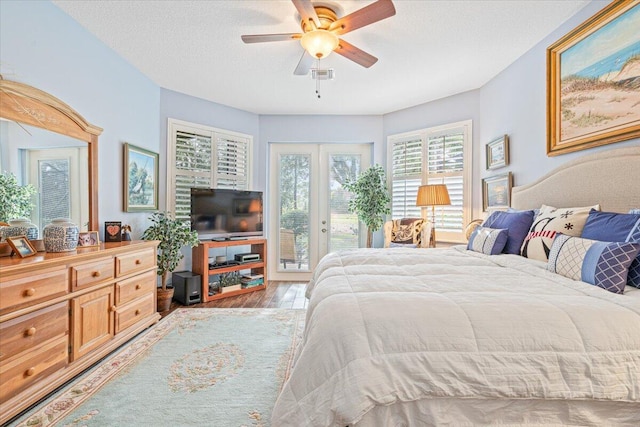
<point x="308" y="214"/>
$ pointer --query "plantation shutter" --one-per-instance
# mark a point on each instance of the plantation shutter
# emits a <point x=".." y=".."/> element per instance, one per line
<point x="204" y="158"/>
<point x="406" y="177"/>
<point x="445" y="165"/>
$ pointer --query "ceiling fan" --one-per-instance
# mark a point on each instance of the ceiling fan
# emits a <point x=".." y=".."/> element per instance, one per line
<point x="321" y="28"/>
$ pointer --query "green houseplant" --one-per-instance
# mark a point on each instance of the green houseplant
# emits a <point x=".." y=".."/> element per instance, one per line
<point x="173" y="235"/>
<point x="371" y="199"/>
<point x="15" y="199"/>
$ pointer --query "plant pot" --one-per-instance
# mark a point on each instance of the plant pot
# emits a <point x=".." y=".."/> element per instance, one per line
<point x="164" y="299"/>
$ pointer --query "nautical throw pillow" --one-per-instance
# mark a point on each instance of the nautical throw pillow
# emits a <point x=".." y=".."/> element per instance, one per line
<point x="616" y="227"/>
<point x="489" y="241"/>
<point x="549" y="222"/>
<point x="517" y="223"/>
<point x="604" y="264"/>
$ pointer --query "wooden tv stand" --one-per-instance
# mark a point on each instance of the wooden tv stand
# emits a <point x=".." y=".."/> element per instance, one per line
<point x="200" y="265"/>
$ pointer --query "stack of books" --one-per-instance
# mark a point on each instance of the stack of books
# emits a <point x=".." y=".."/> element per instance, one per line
<point x="251" y="280"/>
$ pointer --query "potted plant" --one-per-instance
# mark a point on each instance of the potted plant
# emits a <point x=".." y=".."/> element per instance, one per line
<point x="371" y="199"/>
<point x="173" y="234"/>
<point x="15" y="199"/>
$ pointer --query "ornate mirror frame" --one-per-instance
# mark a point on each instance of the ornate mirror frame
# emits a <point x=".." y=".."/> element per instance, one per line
<point x="25" y="104"/>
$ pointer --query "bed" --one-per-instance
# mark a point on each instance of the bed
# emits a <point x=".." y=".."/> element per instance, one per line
<point x="399" y="337"/>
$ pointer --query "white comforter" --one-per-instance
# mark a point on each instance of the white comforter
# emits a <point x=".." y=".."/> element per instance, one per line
<point x="400" y="325"/>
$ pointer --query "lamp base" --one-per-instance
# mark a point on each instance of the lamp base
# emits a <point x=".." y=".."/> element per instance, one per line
<point x="432" y="238"/>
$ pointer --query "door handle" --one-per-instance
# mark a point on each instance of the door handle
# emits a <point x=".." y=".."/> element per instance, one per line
<point x="324" y="222"/>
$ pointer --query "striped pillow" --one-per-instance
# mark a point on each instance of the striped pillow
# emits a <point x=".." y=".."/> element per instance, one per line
<point x="489" y="241"/>
<point x="603" y="264"/>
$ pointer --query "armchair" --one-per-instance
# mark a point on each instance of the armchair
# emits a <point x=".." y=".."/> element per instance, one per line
<point x="416" y="231"/>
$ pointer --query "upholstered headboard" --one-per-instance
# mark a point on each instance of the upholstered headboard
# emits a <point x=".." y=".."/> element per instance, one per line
<point x="611" y="178"/>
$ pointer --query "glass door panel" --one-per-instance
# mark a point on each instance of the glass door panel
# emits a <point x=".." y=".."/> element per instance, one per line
<point x="344" y="227"/>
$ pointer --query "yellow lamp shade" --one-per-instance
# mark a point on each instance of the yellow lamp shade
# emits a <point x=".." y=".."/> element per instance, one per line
<point x="433" y="195"/>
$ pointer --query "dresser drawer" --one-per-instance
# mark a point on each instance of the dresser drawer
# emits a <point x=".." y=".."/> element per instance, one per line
<point x="135" y="287"/>
<point x="134" y="262"/>
<point x="26" y="289"/>
<point x="91" y="273"/>
<point x="26" y="332"/>
<point x="23" y="371"/>
<point x="135" y="311"/>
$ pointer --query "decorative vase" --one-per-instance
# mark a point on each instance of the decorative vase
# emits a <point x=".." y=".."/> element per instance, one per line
<point x="164" y="299"/>
<point x="61" y="235"/>
<point x="19" y="227"/>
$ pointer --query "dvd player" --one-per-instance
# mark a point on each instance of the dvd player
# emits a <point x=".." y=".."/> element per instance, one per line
<point x="248" y="257"/>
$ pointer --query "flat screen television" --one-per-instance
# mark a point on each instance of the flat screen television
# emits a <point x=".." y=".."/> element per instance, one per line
<point x="226" y="214"/>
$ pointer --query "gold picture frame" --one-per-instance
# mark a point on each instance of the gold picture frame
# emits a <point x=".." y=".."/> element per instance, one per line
<point x="496" y="192"/>
<point x="21" y="246"/>
<point x="591" y="100"/>
<point x="498" y="153"/>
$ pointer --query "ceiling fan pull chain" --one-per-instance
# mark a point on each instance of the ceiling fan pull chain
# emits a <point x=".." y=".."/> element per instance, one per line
<point x="318" y="80"/>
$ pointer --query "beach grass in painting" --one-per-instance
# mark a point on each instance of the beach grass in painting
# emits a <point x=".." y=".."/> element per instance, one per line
<point x="600" y="79"/>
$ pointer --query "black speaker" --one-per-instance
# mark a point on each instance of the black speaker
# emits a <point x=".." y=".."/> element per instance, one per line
<point x="187" y="287"/>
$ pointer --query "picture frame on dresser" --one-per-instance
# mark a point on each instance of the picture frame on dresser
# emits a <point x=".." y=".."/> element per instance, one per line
<point x="140" y="179"/>
<point x="21" y="246"/>
<point x="590" y="72"/>
<point x="496" y="192"/>
<point x="88" y="239"/>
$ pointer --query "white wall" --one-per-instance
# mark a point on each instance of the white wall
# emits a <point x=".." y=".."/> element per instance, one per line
<point x="514" y="102"/>
<point x="43" y="47"/>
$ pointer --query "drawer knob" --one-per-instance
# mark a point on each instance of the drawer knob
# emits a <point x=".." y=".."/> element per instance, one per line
<point x="30" y="332"/>
<point x="137" y="312"/>
<point x="138" y="262"/>
<point x="30" y="292"/>
<point x="96" y="274"/>
<point x="29" y="372"/>
<point x="112" y="308"/>
<point x="138" y="287"/>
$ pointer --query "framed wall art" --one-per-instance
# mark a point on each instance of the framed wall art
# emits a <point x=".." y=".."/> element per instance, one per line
<point x="21" y="246"/>
<point x="498" y="153"/>
<point x="496" y="191"/>
<point x="140" y="179"/>
<point x="592" y="81"/>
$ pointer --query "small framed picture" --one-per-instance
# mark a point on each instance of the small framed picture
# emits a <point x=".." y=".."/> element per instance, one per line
<point x="498" y="153"/>
<point x="88" y="239"/>
<point x="112" y="231"/>
<point x="22" y="246"/>
<point x="140" y="179"/>
<point x="496" y="191"/>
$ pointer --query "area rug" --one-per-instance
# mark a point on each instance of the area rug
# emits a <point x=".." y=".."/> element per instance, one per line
<point x="207" y="366"/>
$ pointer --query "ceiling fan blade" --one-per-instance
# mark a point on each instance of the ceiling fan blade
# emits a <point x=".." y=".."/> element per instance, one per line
<point x="367" y="15"/>
<point x="304" y="65"/>
<point x="355" y="54"/>
<point x="306" y="11"/>
<point x="261" y="38"/>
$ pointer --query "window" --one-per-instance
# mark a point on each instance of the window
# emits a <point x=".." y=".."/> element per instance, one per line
<point x="204" y="157"/>
<point x="438" y="155"/>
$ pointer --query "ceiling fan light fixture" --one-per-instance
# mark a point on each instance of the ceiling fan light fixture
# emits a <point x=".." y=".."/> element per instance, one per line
<point x="319" y="43"/>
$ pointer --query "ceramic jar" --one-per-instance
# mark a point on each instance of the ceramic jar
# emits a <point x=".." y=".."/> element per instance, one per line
<point x="19" y="227"/>
<point x="61" y="235"/>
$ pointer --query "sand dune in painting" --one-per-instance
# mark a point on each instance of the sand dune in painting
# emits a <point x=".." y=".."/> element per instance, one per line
<point x="597" y="104"/>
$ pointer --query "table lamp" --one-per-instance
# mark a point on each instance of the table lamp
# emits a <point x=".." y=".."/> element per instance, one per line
<point x="433" y="195"/>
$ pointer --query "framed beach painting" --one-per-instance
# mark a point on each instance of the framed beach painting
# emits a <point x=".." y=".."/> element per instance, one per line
<point x="496" y="192"/>
<point x="593" y="81"/>
<point x="498" y="153"/>
<point x="140" y="179"/>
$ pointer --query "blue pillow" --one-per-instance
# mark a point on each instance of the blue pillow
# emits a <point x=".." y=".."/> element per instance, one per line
<point x="489" y="241"/>
<point x="518" y="225"/>
<point x="616" y="227"/>
<point x="603" y="264"/>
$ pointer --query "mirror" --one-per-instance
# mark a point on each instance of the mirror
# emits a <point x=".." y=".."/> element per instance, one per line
<point x="45" y="142"/>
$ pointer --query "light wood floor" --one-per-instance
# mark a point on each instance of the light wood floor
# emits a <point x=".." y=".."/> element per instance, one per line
<point x="277" y="295"/>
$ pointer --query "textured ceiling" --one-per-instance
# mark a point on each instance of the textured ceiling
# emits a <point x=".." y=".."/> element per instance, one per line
<point x="428" y="50"/>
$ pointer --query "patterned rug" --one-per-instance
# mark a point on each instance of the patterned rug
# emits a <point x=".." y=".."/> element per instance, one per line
<point x="216" y="367"/>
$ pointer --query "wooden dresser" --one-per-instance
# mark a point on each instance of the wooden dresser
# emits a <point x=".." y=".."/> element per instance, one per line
<point x="62" y="312"/>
